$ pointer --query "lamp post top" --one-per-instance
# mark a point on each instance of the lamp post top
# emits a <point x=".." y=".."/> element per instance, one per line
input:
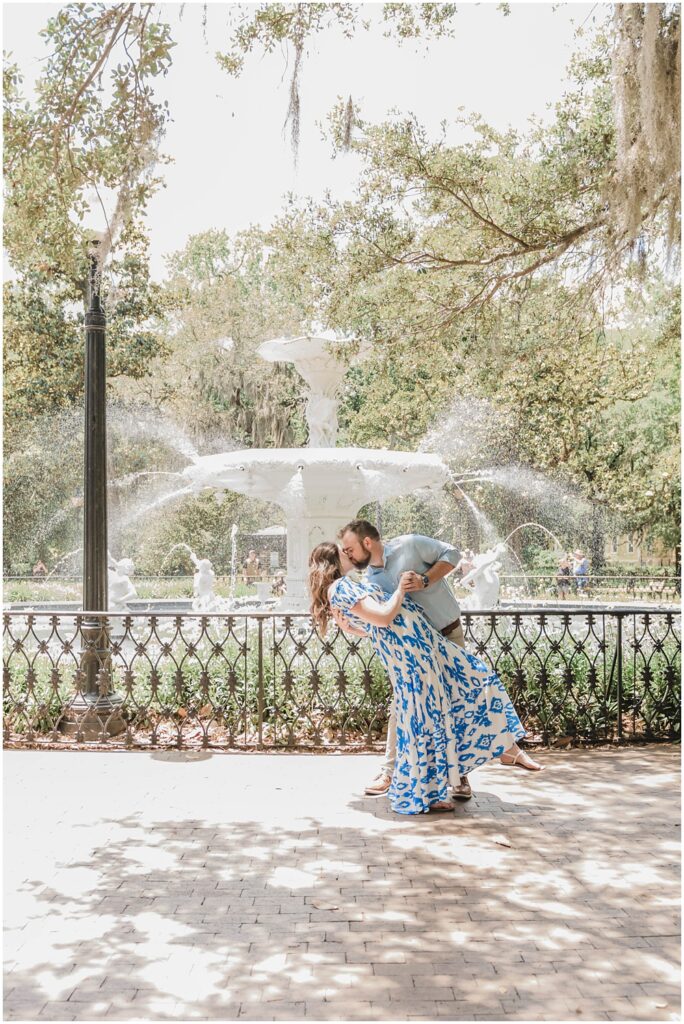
<point x="95" y="315"/>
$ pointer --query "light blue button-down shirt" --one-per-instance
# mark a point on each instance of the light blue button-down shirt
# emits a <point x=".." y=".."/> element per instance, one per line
<point x="413" y="551"/>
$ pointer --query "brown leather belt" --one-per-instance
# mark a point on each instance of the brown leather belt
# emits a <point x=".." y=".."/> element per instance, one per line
<point x="452" y="625"/>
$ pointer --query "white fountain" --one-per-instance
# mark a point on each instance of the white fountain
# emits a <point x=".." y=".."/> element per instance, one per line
<point x="319" y="487"/>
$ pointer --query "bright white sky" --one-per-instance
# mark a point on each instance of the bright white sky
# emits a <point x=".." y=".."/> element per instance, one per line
<point x="232" y="163"/>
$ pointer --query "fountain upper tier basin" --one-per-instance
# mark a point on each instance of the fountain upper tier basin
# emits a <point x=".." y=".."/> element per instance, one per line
<point x="321" y="480"/>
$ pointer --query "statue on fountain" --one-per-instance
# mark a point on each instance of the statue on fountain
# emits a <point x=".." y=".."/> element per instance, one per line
<point x="119" y="586"/>
<point x="483" y="579"/>
<point x="321" y="417"/>
<point x="204" y="599"/>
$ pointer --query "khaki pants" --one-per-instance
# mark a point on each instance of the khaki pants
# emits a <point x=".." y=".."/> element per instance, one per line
<point x="457" y="637"/>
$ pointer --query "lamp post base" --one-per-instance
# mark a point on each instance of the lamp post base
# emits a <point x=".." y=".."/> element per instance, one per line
<point x="89" y="717"/>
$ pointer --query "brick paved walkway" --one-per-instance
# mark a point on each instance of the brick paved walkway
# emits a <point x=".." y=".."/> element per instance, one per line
<point x="186" y="886"/>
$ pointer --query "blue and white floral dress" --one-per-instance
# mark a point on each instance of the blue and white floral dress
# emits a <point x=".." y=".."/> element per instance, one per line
<point x="453" y="713"/>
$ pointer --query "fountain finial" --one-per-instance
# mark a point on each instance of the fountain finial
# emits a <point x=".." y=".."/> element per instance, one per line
<point x="322" y="370"/>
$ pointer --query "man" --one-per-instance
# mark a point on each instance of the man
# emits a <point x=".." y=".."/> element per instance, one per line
<point x="426" y="563"/>
<point x="252" y="566"/>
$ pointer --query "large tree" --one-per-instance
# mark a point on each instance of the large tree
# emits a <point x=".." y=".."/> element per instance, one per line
<point x="481" y="268"/>
<point x="494" y="268"/>
<point x="636" y="53"/>
<point x="230" y="295"/>
<point x="92" y="132"/>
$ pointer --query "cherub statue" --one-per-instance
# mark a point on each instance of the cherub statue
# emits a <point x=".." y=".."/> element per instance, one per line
<point x="119" y="587"/>
<point x="483" y="579"/>
<point x="204" y="598"/>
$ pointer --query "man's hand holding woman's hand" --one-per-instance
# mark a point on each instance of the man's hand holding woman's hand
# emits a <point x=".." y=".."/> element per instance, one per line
<point x="410" y="581"/>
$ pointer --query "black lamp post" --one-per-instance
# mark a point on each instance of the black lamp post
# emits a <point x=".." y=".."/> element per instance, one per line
<point x="95" y="708"/>
<point x="95" y="450"/>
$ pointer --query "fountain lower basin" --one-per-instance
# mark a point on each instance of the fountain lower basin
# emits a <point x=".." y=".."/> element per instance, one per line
<point x="319" y="490"/>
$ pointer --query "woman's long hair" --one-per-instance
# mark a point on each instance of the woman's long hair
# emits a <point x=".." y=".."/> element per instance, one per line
<point x="324" y="569"/>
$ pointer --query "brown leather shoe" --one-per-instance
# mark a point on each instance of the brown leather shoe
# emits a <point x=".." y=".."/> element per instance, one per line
<point x="463" y="790"/>
<point x="379" y="785"/>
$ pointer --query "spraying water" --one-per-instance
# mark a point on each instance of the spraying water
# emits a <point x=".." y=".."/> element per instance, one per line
<point x="233" y="558"/>
<point x="151" y="506"/>
<point x="181" y="544"/>
<point x="131" y="478"/>
<point x="64" y="558"/>
<point x="549" y="494"/>
<point x="538" y="526"/>
<point x="55" y="520"/>
<point x="481" y="519"/>
<point x="148" y="424"/>
<point x="514" y="554"/>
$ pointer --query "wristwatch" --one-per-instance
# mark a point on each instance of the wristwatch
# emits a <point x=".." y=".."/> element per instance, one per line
<point x="426" y="581"/>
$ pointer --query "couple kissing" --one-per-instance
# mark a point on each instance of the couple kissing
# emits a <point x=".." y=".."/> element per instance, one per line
<point x="450" y="713"/>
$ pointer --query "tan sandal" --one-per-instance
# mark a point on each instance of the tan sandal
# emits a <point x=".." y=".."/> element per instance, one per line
<point x="442" y="805"/>
<point x="519" y="764"/>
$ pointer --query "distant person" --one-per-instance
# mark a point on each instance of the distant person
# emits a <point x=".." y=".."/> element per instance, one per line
<point x="40" y="569"/>
<point x="563" y="577"/>
<point x="466" y="563"/>
<point x="580" y="570"/>
<point x="252" y="566"/>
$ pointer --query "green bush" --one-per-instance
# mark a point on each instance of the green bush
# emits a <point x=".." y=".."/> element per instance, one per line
<point x="31" y="591"/>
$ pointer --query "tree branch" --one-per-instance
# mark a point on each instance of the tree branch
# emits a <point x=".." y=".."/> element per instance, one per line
<point x="97" y="67"/>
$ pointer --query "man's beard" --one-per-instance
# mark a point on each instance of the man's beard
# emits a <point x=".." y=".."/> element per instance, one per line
<point x="360" y="564"/>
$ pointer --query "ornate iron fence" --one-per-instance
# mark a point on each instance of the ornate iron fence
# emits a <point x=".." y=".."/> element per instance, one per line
<point x="255" y="680"/>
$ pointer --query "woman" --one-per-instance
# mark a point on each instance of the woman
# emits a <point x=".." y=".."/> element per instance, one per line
<point x="453" y="714"/>
<point x="563" y="578"/>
